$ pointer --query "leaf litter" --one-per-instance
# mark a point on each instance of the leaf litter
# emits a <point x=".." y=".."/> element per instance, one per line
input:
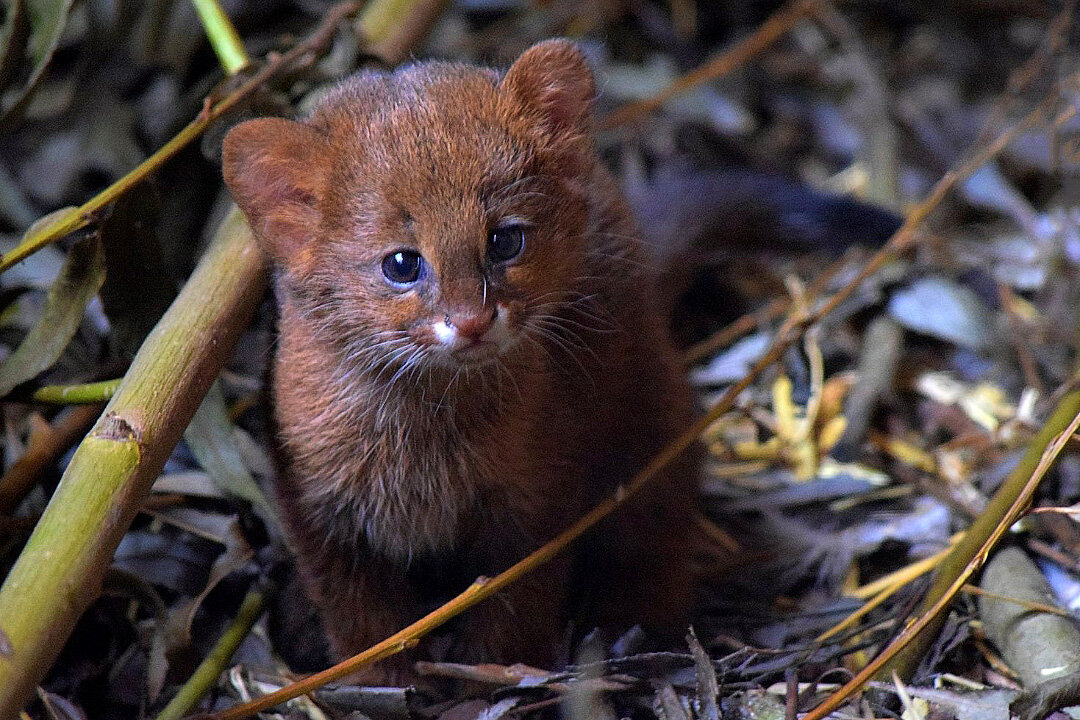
<point x="863" y="451"/>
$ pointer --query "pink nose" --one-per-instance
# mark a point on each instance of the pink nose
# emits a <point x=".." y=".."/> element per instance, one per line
<point x="470" y="324"/>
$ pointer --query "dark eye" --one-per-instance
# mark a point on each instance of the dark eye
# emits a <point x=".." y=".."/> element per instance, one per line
<point x="506" y="242"/>
<point x="402" y="267"/>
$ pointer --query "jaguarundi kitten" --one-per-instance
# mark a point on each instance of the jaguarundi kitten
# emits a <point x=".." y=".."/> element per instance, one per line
<point x="470" y="357"/>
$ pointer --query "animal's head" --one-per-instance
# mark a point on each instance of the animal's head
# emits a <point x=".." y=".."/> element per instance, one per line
<point x="434" y="214"/>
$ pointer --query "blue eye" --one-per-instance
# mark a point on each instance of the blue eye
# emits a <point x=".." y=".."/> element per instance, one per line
<point x="506" y="243"/>
<point x="403" y="267"/>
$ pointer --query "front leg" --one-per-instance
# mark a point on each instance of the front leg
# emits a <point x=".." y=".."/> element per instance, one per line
<point x="638" y="563"/>
<point x="523" y="623"/>
<point x="361" y="604"/>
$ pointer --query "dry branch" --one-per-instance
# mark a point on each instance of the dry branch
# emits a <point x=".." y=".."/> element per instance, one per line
<point x="44" y="448"/>
<point x="769" y="32"/>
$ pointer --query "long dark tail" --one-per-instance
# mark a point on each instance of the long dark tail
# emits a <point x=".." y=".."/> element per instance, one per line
<point x="699" y="225"/>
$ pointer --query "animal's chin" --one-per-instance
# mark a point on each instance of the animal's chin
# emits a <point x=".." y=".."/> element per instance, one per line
<point x="475" y="355"/>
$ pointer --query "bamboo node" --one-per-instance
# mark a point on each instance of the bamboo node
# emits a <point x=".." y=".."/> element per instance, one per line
<point x="114" y="427"/>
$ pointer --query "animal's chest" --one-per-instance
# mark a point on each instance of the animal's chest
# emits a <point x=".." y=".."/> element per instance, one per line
<point x="403" y="493"/>
<point x="406" y="484"/>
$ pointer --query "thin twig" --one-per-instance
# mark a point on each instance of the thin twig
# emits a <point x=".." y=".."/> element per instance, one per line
<point x="905" y="574"/>
<point x="757" y="318"/>
<point x="770" y="31"/>
<point x="83" y="394"/>
<point x="304" y="52"/>
<point x="1029" y="604"/>
<point x="1065" y="560"/>
<point x="1057" y="34"/>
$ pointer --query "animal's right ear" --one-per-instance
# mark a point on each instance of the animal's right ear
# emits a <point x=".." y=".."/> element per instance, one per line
<point x="276" y="171"/>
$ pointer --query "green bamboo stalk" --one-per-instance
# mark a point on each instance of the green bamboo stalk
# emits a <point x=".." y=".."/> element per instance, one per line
<point x="84" y="394"/>
<point x="223" y="37"/>
<point x="776" y="26"/>
<point x="59" y="572"/>
<point x="382" y="16"/>
<point x="206" y="675"/>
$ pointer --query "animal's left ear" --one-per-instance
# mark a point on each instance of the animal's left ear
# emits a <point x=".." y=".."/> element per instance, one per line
<point x="553" y="81"/>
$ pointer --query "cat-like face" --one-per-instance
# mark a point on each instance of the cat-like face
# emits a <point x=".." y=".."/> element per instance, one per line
<point x="434" y="215"/>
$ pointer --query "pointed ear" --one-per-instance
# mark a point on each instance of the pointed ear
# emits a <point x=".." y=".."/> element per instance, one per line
<point x="276" y="171"/>
<point x="553" y="80"/>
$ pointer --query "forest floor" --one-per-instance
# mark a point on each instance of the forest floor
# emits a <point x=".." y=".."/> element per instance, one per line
<point x="878" y="295"/>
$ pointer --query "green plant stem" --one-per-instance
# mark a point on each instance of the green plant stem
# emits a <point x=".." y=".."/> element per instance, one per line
<point x="80" y="217"/>
<point x="222" y="36"/>
<point x="206" y="675"/>
<point x="60" y="570"/>
<point x="85" y="394"/>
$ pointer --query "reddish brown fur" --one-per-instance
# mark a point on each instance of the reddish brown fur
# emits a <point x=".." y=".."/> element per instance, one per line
<point x="406" y="475"/>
